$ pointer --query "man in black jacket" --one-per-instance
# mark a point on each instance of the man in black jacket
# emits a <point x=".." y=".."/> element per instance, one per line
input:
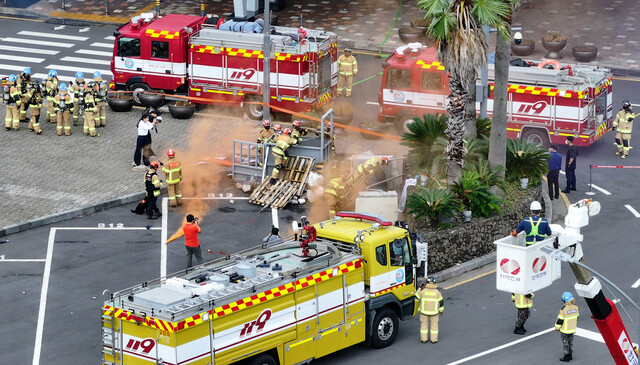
<point x="570" y="165"/>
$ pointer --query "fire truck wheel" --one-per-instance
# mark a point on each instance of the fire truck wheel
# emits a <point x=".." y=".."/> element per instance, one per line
<point x="262" y="359"/>
<point x="385" y="328"/>
<point x="254" y="111"/>
<point x="533" y="135"/>
<point x="136" y="88"/>
<point x="403" y="119"/>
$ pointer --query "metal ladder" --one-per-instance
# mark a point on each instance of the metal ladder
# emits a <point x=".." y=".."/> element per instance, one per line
<point x="108" y="339"/>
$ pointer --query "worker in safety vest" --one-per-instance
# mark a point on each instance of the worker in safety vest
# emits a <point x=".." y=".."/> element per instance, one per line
<point x="623" y="126"/>
<point x="173" y="174"/>
<point x="534" y="226"/>
<point x="567" y="323"/>
<point x="90" y="110"/>
<point x="63" y="104"/>
<point x="152" y="186"/>
<point x="51" y="90"/>
<point x="100" y="94"/>
<point x="11" y="97"/>
<point x="280" y="154"/>
<point x="523" y="302"/>
<point x="431" y="308"/>
<point x="347" y="69"/>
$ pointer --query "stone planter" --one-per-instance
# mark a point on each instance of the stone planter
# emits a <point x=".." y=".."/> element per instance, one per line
<point x="420" y="27"/>
<point x="525" y="48"/>
<point x="120" y="104"/>
<point x="182" y="110"/>
<point x="585" y="53"/>
<point x="154" y="100"/>
<point x="411" y="35"/>
<point x="554" y="48"/>
<point x="371" y="128"/>
<point x="343" y="119"/>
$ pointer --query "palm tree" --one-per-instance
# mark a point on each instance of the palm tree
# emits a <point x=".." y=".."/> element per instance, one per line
<point x="462" y="48"/>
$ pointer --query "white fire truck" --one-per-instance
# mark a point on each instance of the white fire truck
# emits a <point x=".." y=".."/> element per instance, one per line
<point x="184" y="54"/>
<point x="338" y="283"/>
<point x="544" y="105"/>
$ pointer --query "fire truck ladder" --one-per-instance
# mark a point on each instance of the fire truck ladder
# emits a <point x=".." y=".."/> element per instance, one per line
<point x="108" y="336"/>
<point x="292" y="181"/>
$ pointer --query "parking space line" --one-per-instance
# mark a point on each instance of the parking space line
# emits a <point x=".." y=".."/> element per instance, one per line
<point x="636" y="284"/>
<point x="163" y="238"/>
<point x="106" y="228"/>
<point x="633" y="211"/>
<point x="274" y="217"/>
<point x="43" y="297"/>
<point x="605" y="192"/>
<point x="22" y="260"/>
<point x="502" y="347"/>
<point x="595" y="336"/>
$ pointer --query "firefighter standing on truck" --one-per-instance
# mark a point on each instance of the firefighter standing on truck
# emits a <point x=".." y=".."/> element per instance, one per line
<point x="280" y="154"/>
<point x="173" y="175"/>
<point x="431" y="308"/>
<point x="347" y="69"/>
<point x="100" y="94"/>
<point x="34" y="103"/>
<point x="11" y="97"/>
<point x="623" y="126"/>
<point x="51" y="90"/>
<point x="567" y="323"/>
<point x="77" y="89"/>
<point x="63" y="103"/>
<point x="523" y="302"/>
<point x="534" y="226"/>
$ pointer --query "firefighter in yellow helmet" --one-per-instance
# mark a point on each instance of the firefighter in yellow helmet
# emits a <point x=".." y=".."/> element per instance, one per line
<point x="623" y="124"/>
<point x="173" y="174"/>
<point x="567" y="323"/>
<point x="431" y="308"/>
<point x="280" y="154"/>
<point x="347" y="69"/>
<point x="11" y="97"/>
<point x="523" y="302"/>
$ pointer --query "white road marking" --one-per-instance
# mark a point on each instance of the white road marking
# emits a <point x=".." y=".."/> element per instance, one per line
<point x="82" y="69"/>
<point x="59" y="27"/>
<point x="25" y="41"/>
<point x="372" y="103"/>
<point x="84" y="30"/>
<point x="163" y="238"/>
<point x="633" y="211"/>
<point x="218" y="198"/>
<point x="43" y="298"/>
<point x="103" y="45"/>
<point x="85" y="60"/>
<point x="274" y="217"/>
<point x="562" y="172"/>
<point x="29" y="50"/>
<point x="635" y="104"/>
<point x="22" y="59"/>
<point x="95" y="53"/>
<point x="502" y="347"/>
<point x="110" y="38"/>
<point x="605" y="192"/>
<point x="106" y="228"/>
<point x="636" y="284"/>
<point x="21" y="260"/>
<point x="11" y="67"/>
<point x="595" y="336"/>
<point x="52" y="35"/>
<point x="60" y="77"/>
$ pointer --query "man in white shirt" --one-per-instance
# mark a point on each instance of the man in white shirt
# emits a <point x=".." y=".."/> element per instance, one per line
<point x="144" y="127"/>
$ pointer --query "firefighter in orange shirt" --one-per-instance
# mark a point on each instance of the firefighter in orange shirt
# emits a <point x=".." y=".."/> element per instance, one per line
<point x="173" y="175"/>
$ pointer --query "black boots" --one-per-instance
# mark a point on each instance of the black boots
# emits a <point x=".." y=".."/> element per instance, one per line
<point x="519" y="330"/>
<point x="566" y="358"/>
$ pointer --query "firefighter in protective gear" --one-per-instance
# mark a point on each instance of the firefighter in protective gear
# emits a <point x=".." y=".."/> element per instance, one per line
<point x="90" y="109"/>
<point x="280" y="154"/>
<point x="77" y="89"/>
<point x="34" y="103"/>
<point x="623" y="126"/>
<point x="152" y="186"/>
<point x="431" y="308"/>
<point x="277" y="129"/>
<point x="523" y="302"/>
<point x="11" y="96"/>
<point x="335" y="194"/>
<point x="265" y="135"/>
<point x="534" y="226"/>
<point x="347" y="69"/>
<point x="24" y="85"/>
<point x="100" y="95"/>
<point x="63" y="104"/>
<point x="173" y="175"/>
<point x="51" y="90"/>
<point x="567" y="323"/>
<point x="298" y="131"/>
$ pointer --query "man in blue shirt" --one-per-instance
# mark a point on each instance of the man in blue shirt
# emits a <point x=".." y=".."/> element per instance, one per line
<point x="534" y="226"/>
<point x="555" y="164"/>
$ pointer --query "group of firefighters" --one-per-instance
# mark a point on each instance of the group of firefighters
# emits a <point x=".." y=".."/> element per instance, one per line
<point x="64" y="102"/>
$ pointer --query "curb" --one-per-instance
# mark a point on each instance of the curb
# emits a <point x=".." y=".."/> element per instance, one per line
<point x="465" y="267"/>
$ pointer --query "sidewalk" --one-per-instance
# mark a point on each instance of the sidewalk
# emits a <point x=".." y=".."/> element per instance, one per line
<point x="364" y="24"/>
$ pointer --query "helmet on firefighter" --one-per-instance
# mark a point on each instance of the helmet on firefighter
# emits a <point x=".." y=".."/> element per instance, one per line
<point x="347" y="49"/>
<point x="535" y="206"/>
<point x="431" y="279"/>
<point x="97" y="76"/>
<point x="385" y="160"/>
<point x="154" y="165"/>
<point x="296" y="123"/>
<point x="287" y="131"/>
<point x="626" y="104"/>
<point x="266" y="123"/>
<point x="277" y="128"/>
<point x="79" y="75"/>
<point x="12" y="78"/>
<point x="63" y="87"/>
<point x="27" y="71"/>
<point x="171" y="153"/>
<point x="53" y="73"/>
<point x="567" y="297"/>
<point x="91" y="85"/>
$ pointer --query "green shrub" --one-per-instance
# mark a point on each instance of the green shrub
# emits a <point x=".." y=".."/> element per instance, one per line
<point x="483" y="127"/>
<point x="477" y="148"/>
<point x="422" y="133"/>
<point x="475" y="195"/>
<point x="526" y="160"/>
<point x="434" y="204"/>
<point x="486" y="175"/>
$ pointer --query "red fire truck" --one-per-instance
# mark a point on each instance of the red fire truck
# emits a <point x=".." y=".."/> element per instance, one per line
<point x="544" y="105"/>
<point x="183" y="54"/>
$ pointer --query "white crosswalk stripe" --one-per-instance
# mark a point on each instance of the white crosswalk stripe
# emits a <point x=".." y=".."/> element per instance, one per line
<point x="85" y="60"/>
<point x="28" y="50"/>
<point x="25" y="41"/>
<point x="110" y="38"/>
<point x="81" y="69"/>
<point x="11" y="67"/>
<point x="39" y="76"/>
<point x="52" y="35"/>
<point x="103" y="45"/>
<point x="22" y="59"/>
<point x="95" y="53"/>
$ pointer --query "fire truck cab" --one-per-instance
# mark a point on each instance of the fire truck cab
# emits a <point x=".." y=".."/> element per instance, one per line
<point x="544" y="105"/>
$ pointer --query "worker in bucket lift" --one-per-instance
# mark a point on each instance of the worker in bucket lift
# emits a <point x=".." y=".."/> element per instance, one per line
<point x="534" y="226"/>
<point x="523" y="302"/>
<point x="623" y="126"/>
<point x="280" y="154"/>
<point x="431" y="308"/>
<point x="567" y="323"/>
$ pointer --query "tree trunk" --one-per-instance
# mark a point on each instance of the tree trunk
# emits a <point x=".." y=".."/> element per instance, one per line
<point x="498" y="137"/>
<point x="456" y="127"/>
<point x="470" y="110"/>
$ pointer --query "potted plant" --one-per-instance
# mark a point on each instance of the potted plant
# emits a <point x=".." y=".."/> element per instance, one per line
<point x="554" y="42"/>
<point x="526" y="160"/>
<point x="439" y="205"/>
<point x="119" y="101"/>
<point x="153" y="100"/>
<point x="182" y="109"/>
<point x="585" y="53"/>
<point x="525" y="48"/>
<point x="411" y="35"/>
<point x="370" y="126"/>
<point x="420" y="23"/>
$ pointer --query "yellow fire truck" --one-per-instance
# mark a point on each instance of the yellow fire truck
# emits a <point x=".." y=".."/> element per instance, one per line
<point x="331" y="285"/>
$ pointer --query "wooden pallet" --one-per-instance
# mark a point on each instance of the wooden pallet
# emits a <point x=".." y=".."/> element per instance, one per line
<point x="291" y="182"/>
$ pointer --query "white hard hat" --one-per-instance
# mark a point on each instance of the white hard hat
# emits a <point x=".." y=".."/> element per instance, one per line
<point x="535" y="205"/>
